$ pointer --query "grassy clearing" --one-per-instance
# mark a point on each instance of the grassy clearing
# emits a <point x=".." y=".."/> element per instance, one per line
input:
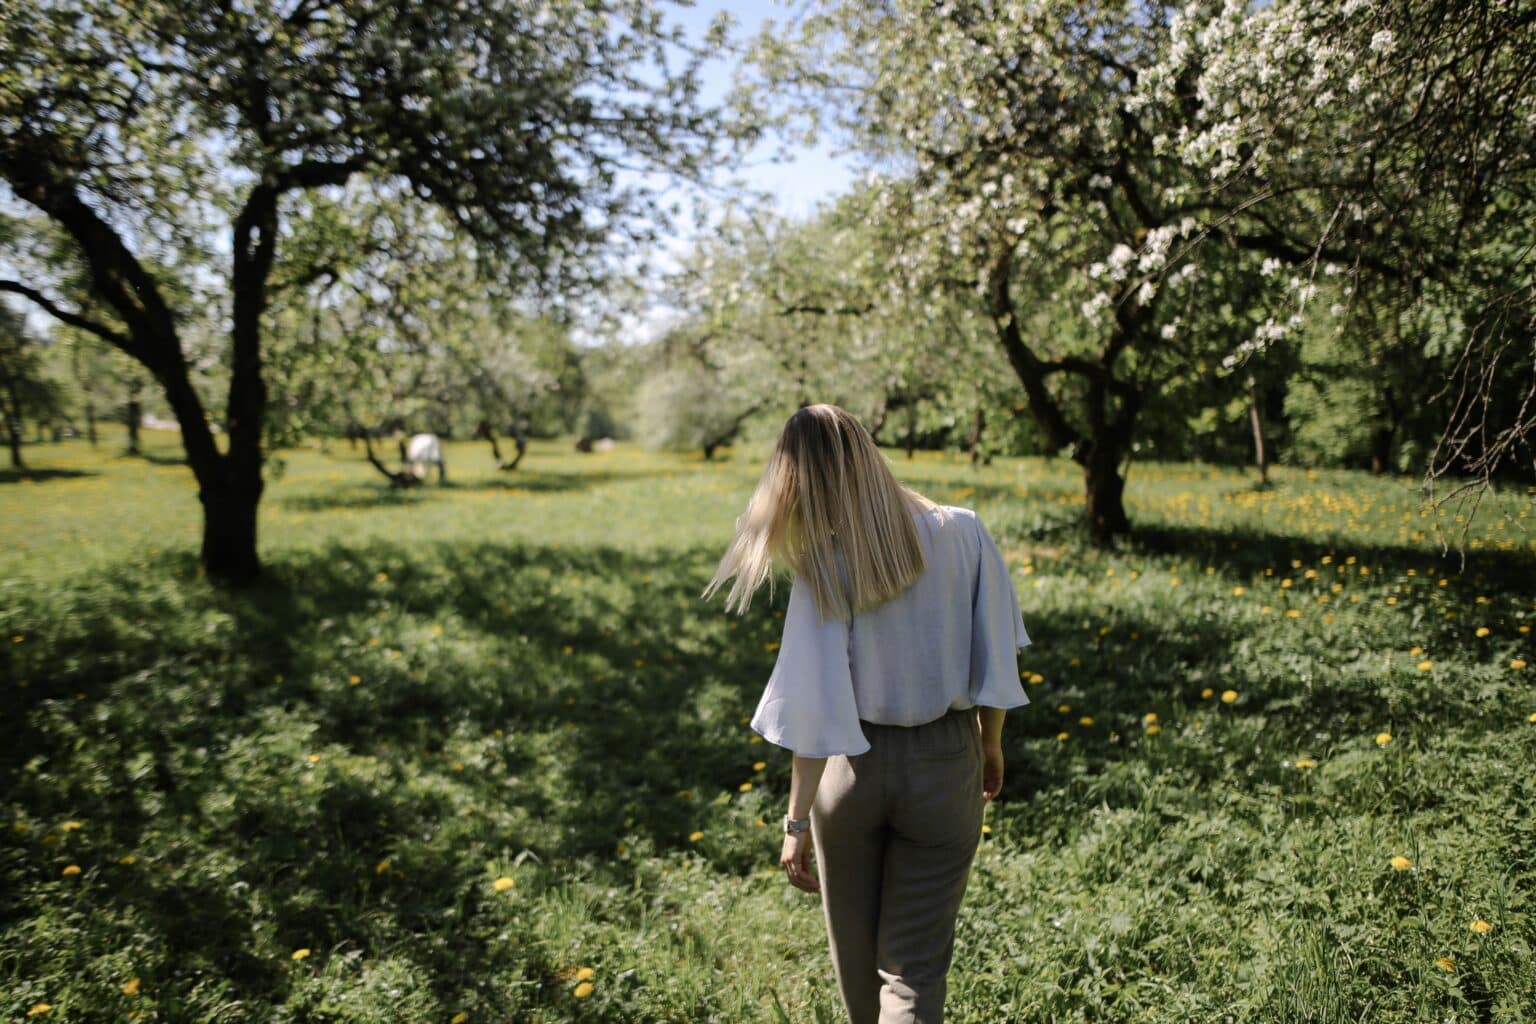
<point x="481" y="751"/>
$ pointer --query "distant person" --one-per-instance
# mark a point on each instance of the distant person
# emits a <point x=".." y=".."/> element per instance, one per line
<point x="898" y="659"/>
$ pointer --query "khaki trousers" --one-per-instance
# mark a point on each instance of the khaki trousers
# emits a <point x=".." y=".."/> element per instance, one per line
<point x="896" y="829"/>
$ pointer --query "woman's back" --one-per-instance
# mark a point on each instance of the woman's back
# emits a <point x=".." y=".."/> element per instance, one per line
<point x="949" y="641"/>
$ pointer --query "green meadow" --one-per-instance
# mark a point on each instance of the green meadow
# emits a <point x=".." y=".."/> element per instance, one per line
<point x="479" y="752"/>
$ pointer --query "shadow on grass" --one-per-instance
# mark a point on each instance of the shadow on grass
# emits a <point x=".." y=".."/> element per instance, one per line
<point x="11" y="476"/>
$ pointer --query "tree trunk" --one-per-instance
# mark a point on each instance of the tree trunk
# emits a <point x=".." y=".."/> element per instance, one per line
<point x="911" y="429"/>
<point x="13" y="424"/>
<point x="131" y="418"/>
<point x="1259" y="455"/>
<point x="1104" y="489"/>
<point x="976" y="434"/>
<point x="229" y="528"/>
<point x="1381" y="450"/>
<point x="90" y="422"/>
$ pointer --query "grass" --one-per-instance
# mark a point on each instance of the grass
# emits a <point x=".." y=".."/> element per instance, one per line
<point x="479" y="753"/>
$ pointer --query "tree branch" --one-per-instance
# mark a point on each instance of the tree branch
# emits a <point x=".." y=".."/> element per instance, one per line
<point x="71" y="318"/>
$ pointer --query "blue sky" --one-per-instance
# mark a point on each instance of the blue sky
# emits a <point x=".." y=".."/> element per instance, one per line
<point x="813" y="174"/>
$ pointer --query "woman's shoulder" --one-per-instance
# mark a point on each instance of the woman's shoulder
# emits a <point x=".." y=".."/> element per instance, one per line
<point x="944" y="512"/>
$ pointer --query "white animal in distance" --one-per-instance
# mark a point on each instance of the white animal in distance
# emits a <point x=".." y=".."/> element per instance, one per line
<point x="422" y="451"/>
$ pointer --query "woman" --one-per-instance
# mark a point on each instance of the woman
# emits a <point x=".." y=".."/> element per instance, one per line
<point x="898" y="660"/>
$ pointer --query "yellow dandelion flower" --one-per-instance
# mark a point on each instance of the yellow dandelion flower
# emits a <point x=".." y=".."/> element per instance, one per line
<point x="1036" y="677"/>
<point x="1266" y="609"/>
<point x="382" y="577"/>
<point x="459" y="1018"/>
<point x="1238" y="591"/>
<point x="1426" y="665"/>
<point x="131" y="987"/>
<point x="1481" y="927"/>
<point x="1305" y="762"/>
<point x="583" y="990"/>
<point x="69" y="826"/>
<point x="73" y="869"/>
<point x="1293" y="613"/>
<point x="585" y="974"/>
<point x="1150" y="716"/>
<point x="694" y="837"/>
<point x="1064" y="708"/>
<point x="1285" y="584"/>
<point x="1517" y="663"/>
<point x="39" y="1008"/>
<point x="1228" y="696"/>
<point x="1483" y="631"/>
<point x="1415" y="650"/>
<point x="758" y="766"/>
<point x="568" y="649"/>
<point x="745" y="787"/>
<point x="502" y="884"/>
<point x="1401" y="863"/>
<point x="313" y="759"/>
<point x="1085" y="720"/>
<point x="1383" y="738"/>
<point x="1525" y="629"/>
<point x="1205" y="693"/>
<point x="299" y="954"/>
<point x="381" y="867"/>
<point x="1062" y="736"/>
<point x="771" y="645"/>
<point x="354" y="680"/>
<point x="126" y="858"/>
<point x="1154" y="729"/>
<point x="1391" y="600"/>
<point x="986" y="830"/>
<point x="1445" y="963"/>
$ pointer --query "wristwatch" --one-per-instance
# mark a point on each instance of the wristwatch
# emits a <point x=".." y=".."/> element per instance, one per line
<point x="792" y="825"/>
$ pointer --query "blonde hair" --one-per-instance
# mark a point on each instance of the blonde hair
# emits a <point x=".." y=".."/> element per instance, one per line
<point x="828" y="507"/>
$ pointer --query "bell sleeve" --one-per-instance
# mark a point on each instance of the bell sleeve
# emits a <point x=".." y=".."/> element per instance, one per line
<point x="997" y="630"/>
<point x="808" y="704"/>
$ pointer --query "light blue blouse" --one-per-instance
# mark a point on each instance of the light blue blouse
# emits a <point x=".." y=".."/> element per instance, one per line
<point x="949" y="641"/>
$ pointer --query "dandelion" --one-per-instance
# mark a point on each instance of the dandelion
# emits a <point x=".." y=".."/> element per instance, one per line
<point x="1238" y="591"/>
<point x="1416" y="650"/>
<point x="313" y="759"/>
<point x="1064" y="708"/>
<point x="1154" y="729"/>
<point x="1383" y="738"/>
<point x="567" y="649"/>
<point x="758" y="766"/>
<point x="694" y="837"/>
<point x="131" y="987"/>
<point x="126" y="859"/>
<point x="1426" y="665"/>
<point x="1293" y="613"/>
<point x="583" y="990"/>
<point x="1062" y="736"/>
<point x="69" y="826"/>
<point x="1228" y="696"/>
<point x="585" y="974"/>
<point x="382" y="577"/>
<point x="39" y="1008"/>
<point x="502" y="884"/>
<point x="986" y="830"/>
<point x="1483" y="631"/>
<point x="354" y="680"/>
<point x="300" y="954"/>
<point x="1149" y="717"/>
<point x="745" y="787"/>
<point x="1401" y="863"/>
<point x="1517" y="663"/>
<point x="1036" y="677"/>
<point x="1481" y="927"/>
<point x="73" y="869"/>
<point x="1206" y="693"/>
<point x="771" y="645"/>
<point x="1085" y="720"/>
<point x="1305" y="762"/>
<point x="459" y="1018"/>
<point x="1445" y="963"/>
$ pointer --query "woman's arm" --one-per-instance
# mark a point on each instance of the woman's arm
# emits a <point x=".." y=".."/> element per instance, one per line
<point x="804" y="777"/>
<point x="991" y="726"/>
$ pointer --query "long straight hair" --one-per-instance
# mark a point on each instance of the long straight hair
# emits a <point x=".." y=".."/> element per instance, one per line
<point x="828" y="507"/>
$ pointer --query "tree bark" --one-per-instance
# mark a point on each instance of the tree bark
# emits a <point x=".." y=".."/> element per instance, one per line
<point x="974" y="441"/>
<point x="13" y="424"/>
<point x="131" y="417"/>
<point x="90" y="422"/>
<point x="1104" y="491"/>
<point x="1259" y="454"/>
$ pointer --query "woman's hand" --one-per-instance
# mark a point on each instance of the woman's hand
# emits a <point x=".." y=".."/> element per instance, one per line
<point x="796" y="858"/>
<point x="991" y="770"/>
